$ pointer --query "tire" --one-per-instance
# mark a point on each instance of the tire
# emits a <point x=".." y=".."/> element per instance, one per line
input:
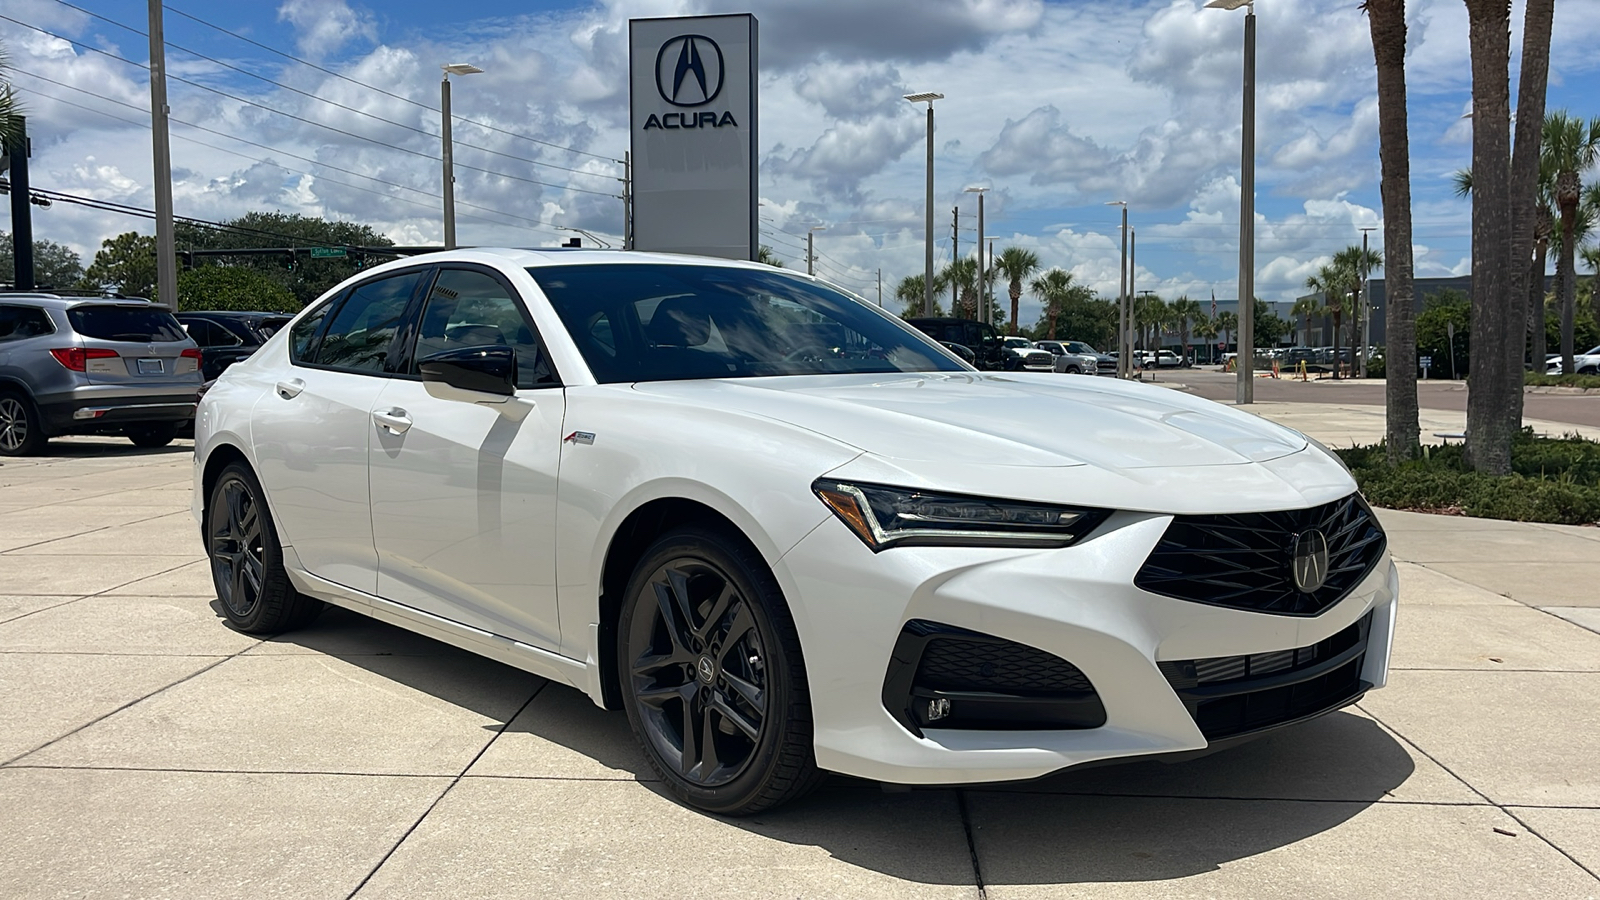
<point x="1074" y="370"/>
<point x="706" y="648"/>
<point x="156" y="434"/>
<point x="247" y="560"/>
<point x="21" y="431"/>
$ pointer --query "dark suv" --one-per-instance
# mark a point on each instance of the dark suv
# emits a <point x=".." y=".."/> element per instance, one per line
<point x="979" y="337"/>
<point x="228" y="337"/>
<point x="77" y="365"/>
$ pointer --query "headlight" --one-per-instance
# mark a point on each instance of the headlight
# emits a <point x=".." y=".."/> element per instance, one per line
<point x="884" y="516"/>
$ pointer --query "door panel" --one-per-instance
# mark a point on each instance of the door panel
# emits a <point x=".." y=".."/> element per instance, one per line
<point x="463" y="508"/>
<point x="464" y="485"/>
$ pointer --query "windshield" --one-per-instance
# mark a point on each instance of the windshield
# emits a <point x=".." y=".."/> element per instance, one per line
<point x="1018" y="343"/>
<point x="1076" y="347"/>
<point x="665" y="322"/>
<point x="125" y="323"/>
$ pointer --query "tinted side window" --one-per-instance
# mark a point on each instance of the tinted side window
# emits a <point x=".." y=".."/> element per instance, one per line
<point x="304" y="333"/>
<point x="471" y="309"/>
<point x="362" y="329"/>
<point x="22" y="322"/>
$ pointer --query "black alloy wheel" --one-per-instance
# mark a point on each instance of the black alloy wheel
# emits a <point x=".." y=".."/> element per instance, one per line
<point x="247" y="560"/>
<point x="712" y="678"/>
<point x="19" y="428"/>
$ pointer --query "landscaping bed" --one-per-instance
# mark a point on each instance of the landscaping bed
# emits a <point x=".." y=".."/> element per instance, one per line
<point x="1554" y="479"/>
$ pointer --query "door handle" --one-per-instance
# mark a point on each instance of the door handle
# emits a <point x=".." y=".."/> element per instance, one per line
<point x="395" y="420"/>
<point x="291" y="389"/>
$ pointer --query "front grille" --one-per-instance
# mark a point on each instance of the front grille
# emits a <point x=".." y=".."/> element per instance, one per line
<point x="1244" y="561"/>
<point x="960" y="664"/>
<point x="1233" y="695"/>
<point x="940" y="676"/>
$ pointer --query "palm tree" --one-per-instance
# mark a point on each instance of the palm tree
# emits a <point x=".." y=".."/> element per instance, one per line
<point x="1206" y="327"/>
<point x="1185" y="313"/>
<point x="1489" y="430"/>
<point x="766" y="255"/>
<point x="961" y="277"/>
<point x="10" y="107"/>
<point x="1526" y="302"/>
<point x="1305" y="308"/>
<point x="1151" y="315"/>
<point x="1357" y="264"/>
<point x="1015" y="264"/>
<point x="1054" y="289"/>
<point x="1570" y="146"/>
<point x="1330" y="282"/>
<point x="909" y="293"/>
<point x="1224" y="323"/>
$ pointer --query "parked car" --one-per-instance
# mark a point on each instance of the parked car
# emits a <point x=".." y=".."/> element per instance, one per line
<point x="776" y="563"/>
<point x="979" y="337"/>
<point x="963" y="351"/>
<point x="1163" y="359"/>
<point x="1020" y="354"/>
<point x="227" y="337"/>
<point x="1585" y="363"/>
<point x="92" y="365"/>
<point x="1076" y="357"/>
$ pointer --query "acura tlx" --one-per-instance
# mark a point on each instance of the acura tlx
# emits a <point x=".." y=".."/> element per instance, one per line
<point x="785" y="532"/>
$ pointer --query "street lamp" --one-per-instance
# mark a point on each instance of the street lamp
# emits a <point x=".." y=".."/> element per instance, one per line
<point x="1122" y="296"/>
<point x="927" y="271"/>
<point x="449" y="149"/>
<point x="983" y="282"/>
<point x="811" y="253"/>
<point x="1246" y="387"/>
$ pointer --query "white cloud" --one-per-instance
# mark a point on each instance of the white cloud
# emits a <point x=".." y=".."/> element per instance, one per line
<point x="323" y="26"/>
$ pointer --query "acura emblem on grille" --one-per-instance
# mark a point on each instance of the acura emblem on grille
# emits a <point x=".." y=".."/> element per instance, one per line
<point x="1310" y="560"/>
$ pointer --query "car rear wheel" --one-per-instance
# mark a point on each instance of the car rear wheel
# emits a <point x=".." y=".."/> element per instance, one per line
<point x="157" y="434"/>
<point x="712" y="676"/>
<point x="247" y="560"/>
<point x="19" y="427"/>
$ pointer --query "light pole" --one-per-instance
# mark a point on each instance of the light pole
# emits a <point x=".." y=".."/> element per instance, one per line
<point x="1246" y="387"/>
<point x="1366" y="299"/>
<point x="811" y="253"/>
<point x="449" y="149"/>
<point x="927" y="271"/>
<point x="983" y="283"/>
<point x="1122" y="295"/>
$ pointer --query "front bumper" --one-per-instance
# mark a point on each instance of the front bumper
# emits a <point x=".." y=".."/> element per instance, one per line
<point x="1078" y="603"/>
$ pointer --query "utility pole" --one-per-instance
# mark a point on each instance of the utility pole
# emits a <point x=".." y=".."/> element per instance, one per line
<point x="880" y="289"/>
<point x="1123" y="366"/>
<point x="1133" y="316"/>
<point x="21" y="212"/>
<point x="161" y="150"/>
<point x="955" y="254"/>
<point x="448" y="155"/>
<point x="1366" y="297"/>
<point x="1245" y="389"/>
<point x="627" y="200"/>
<point x="811" y="253"/>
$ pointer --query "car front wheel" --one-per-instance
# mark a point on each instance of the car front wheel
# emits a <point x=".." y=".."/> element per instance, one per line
<point x="247" y="560"/>
<point x="712" y="677"/>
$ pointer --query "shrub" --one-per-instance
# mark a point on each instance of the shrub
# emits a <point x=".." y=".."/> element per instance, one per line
<point x="1536" y="379"/>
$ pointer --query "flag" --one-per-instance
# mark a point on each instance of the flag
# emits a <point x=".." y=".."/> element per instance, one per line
<point x="1213" y="303"/>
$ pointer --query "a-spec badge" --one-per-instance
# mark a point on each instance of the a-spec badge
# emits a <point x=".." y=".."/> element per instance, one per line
<point x="579" y="437"/>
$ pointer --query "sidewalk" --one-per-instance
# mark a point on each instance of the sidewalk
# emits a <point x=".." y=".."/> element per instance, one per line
<point x="147" y="750"/>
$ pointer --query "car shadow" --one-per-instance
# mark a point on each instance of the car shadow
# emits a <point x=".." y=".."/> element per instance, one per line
<point x="88" y="447"/>
<point x="1136" y="821"/>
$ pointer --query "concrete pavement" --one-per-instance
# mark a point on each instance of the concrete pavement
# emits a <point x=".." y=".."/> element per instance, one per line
<point x="147" y="750"/>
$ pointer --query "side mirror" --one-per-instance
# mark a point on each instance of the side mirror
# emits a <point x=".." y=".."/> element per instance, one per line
<point x="490" y="369"/>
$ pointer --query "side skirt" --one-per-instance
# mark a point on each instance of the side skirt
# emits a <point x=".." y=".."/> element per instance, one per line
<point x="543" y="663"/>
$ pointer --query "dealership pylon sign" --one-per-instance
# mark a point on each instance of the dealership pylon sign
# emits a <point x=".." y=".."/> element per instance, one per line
<point x="692" y="105"/>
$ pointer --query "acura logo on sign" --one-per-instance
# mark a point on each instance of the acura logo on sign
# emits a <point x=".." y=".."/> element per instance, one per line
<point x="689" y="70"/>
<point x="1310" y="560"/>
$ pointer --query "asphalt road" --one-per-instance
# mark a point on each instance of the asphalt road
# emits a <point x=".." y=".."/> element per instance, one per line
<point x="1581" y="409"/>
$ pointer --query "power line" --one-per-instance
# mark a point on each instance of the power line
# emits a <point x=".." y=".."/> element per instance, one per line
<point x="292" y="57"/>
<point x="548" y="227"/>
<point x="306" y="121"/>
<point x="312" y="96"/>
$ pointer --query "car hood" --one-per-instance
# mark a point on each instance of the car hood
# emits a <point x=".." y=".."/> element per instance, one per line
<point x="1012" y="420"/>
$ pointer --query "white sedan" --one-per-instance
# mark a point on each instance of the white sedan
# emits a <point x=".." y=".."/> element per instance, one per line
<point x="786" y="532"/>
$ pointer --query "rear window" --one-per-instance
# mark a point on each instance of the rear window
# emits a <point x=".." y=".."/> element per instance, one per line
<point x="124" y="323"/>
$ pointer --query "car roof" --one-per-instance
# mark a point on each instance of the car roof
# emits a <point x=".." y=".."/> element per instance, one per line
<point x="53" y="301"/>
<point x="552" y="256"/>
<point x="232" y="313"/>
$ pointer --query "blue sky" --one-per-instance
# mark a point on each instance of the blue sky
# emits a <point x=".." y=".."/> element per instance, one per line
<point x="1056" y="106"/>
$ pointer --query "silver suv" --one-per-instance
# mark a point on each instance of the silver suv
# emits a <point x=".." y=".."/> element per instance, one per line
<point x="79" y="365"/>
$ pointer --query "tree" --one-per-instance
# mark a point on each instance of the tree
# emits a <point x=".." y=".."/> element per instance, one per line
<point x="10" y="107"/>
<point x="766" y="255"/>
<point x="1185" y="312"/>
<point x="1489" y="433"/>
<point x="1570" y="146"/>
<point x="1356" y="263"/>
<point x="1150" y="315"/>
<point x="233" y="288"/>
<point x="125" y="264"/>
<point x="1224" y="323"/>
<point x="1591" y="258"/>
<point x="1306" y="307"/>
<point x="1206" y="327"/>
<point x="1268" y="327"/>
<point x="1331" y="283"/>
<point x="1440" y="310"/>
<point x="307" y="278"/>
<point x="910" y="294"/>
<point x="1016" y="264"/>
<point x="1525" y="305"/>
<point x="1059" y="293"/>
<point x="961" y="277"/>
<point x="54" y="265"/>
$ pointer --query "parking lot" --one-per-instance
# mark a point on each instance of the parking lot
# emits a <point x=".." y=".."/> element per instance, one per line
<point x="147" y="750"/>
